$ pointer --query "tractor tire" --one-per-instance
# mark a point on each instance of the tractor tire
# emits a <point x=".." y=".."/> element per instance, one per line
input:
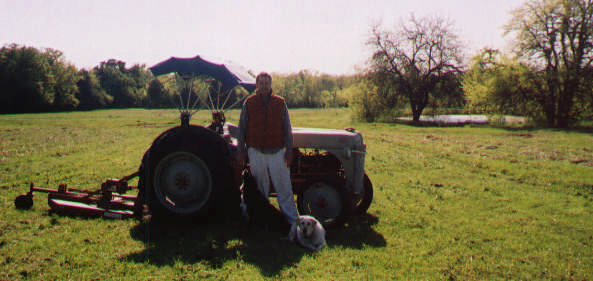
<point x="364" y="202"/>
<point x="186" y="173"/>
<point x="326" y="199"/>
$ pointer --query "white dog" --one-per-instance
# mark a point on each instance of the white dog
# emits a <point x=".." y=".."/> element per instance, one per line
<point x="308" y="232"/>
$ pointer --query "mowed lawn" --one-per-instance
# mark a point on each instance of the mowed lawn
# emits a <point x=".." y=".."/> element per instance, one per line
<point x="450" y="203"/>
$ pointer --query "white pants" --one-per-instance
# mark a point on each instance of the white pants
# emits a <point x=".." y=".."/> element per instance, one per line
<point x="266" y="166"/>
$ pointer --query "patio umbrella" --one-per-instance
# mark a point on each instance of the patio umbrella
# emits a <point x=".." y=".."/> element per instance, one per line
<point x="229" y="75"/>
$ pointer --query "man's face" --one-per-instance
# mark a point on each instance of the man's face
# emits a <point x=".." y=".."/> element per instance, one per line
<point x="264" y="85"/>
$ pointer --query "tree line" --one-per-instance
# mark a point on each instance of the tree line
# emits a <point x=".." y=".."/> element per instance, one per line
<point x="40" y="80"/>
<point x="33" y="80"/>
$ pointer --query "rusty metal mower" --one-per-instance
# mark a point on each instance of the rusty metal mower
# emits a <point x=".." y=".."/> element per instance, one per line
<point x="109" y="201"/>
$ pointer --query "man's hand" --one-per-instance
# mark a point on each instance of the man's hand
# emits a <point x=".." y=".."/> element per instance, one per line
<point x="288" y="157"/>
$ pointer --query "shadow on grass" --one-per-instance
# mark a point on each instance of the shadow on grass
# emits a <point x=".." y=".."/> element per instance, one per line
<point x="356" y="233"/>
<point x="167" y="243"/>
<point x="214" y="244"/>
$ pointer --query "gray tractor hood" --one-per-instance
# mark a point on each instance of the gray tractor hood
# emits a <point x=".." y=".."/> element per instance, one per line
<point x="347" y="139"/>
<point x="347" y="145"/>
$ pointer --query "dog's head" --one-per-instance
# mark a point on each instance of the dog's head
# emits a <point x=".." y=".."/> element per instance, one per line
<point x="307" y="225"/>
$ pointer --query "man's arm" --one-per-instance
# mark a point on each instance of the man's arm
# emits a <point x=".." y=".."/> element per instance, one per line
<point x="287" y="131"/>
<point x="287" y="128"/>
<point x="242" y="128"/>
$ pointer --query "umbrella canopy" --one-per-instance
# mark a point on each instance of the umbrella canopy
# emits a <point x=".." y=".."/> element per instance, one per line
<point x="229" y="75"/>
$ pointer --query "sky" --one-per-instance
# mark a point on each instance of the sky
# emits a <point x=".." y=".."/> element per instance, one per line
<point x="281" y="36"/>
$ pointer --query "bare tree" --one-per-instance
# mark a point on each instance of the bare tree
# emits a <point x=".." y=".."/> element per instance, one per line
<point x="556" y="38"/>
<point x="415" y="58"/>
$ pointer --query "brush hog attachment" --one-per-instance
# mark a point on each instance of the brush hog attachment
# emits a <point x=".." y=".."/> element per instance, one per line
<point x="107" y="202"/>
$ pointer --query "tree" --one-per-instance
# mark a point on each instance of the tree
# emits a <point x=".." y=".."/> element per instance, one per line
<point x="158" y="96"/>
<point x="22" y="80"/>
<point x="90" y="94"/>
<point x="366" y="101"/>
<point x="449" y="91"/>
<point x="126" y="86"/>
<point x="497" y="84"/>
<point x="555" y="37"/>
<point x="311" y="89"/>
<point x="33" y="80"/>
<point x="415" y="58"/>
<point x="63" y="77"/>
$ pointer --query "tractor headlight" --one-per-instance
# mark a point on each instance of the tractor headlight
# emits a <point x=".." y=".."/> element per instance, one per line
<point x="347" y="152"/>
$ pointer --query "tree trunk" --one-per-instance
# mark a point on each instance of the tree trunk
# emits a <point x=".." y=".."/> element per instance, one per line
<point x="416" y="112"/>
<point x="418" y="103"/>
<point x="566" y="102"/>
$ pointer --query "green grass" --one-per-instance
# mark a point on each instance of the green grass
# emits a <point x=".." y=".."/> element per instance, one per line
<point x="455" y="203"/>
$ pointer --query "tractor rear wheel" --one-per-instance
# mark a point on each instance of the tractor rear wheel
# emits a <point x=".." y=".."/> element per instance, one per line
<point x="182" y="182"/>
<point x="325" y="199"/>
<point x="187" y="173"/>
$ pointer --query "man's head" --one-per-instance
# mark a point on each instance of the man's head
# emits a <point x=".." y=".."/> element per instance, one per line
<point x="263" y="82"/>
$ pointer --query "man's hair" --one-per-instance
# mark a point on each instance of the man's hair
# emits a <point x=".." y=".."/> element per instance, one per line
<point x="261" y="75"/>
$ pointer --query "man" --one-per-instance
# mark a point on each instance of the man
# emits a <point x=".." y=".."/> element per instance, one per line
<point x="265" y="136"/>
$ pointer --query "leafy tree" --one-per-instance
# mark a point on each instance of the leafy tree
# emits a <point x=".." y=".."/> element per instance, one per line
<point x="555" y="37"/>
<point x="126" y="86"/>
<point x="90" y="94"/>
<point x="368" y="101"/>
<point x="22" y="80"/>
<point x="414" y="59"/>
<point x="586" y="97"/>
<point x="64" y="77"/>
<point x="158" y="96"/>
<point x="141" y="78"/>
<point x="496" y="84"/>
<point x="311" y="89"/>
<point x="34" y="81"/>
<point x="449" y="92"/>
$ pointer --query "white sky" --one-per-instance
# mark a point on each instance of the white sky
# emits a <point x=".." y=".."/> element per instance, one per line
<point x="280" y="36"/>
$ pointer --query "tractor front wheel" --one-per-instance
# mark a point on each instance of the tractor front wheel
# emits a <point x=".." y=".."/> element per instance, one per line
<point x="362" y="204"/>
<point x="325" y="199"/>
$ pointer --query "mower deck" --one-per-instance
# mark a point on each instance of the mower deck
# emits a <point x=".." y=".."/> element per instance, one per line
<point x="107" y="202"/>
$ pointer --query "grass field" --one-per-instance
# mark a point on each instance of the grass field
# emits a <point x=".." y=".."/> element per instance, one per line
<point x="454" y="203"/>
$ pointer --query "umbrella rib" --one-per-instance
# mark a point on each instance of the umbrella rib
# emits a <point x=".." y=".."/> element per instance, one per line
<point x="191" y="84"/>
<point x="227" y="97"/>
<point x="218" y="94"/>
<point x="179" y="93"/>
<point x="180" y="104"/>
<point x="195" y="103"/>
<point x="169" y="80"/>
<point x="232" y="105"/>
<point x="210" y="98"/>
